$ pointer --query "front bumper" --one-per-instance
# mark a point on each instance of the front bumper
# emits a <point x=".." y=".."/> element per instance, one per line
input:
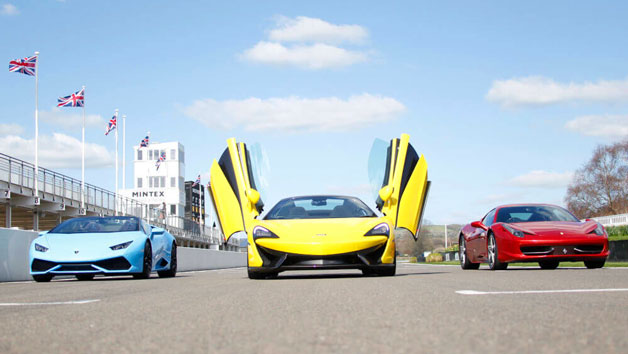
<point x="534" y="249"/>
<point x="108" y="266"/>
<point x="275" y="261"/>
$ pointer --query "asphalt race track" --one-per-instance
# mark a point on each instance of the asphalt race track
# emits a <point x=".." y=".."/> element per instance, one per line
<point x="422" y="309"/>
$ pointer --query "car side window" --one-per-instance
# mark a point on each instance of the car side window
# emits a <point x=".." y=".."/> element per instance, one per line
<point x="488" y="219"/>
<point x="145" y="227"/>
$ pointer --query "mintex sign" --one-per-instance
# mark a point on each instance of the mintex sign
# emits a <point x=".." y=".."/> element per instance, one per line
<point x="148" y="194"/>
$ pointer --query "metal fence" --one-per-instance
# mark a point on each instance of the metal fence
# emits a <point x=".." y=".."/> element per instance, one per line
<point x="21" y="174"/>
<point x="612" y="220"/>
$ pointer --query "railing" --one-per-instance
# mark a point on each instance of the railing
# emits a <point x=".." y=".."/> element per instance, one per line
<point x="21" y="174"/>
<point x="612" y="220"/>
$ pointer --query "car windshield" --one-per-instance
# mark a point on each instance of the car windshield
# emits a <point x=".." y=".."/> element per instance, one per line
<point x="532" y="213"/>
<point x="319" y="207"/>
<point x="97" y="224"/>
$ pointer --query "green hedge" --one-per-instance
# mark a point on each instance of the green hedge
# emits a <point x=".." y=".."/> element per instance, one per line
<point x="617" y="233"/>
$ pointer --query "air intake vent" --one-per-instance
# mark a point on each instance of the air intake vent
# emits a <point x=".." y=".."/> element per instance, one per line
<point x="588" y="248"/>
<point x="41" y="266"/>
<point x="118" y="263"/>
<point x="536" y="250"/>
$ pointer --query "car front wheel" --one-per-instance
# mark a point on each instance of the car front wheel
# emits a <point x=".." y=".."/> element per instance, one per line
<point x="147" y="263"/>
<point x="465" y="263"/>
<point x="493" y="255"/>
<point x="42" y="278"/>
<point x="173" y="264"/>
<point x="594" y="264"/>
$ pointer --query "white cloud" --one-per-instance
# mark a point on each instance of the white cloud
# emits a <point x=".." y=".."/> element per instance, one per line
<point x="314" y="44"/>
<point x="307" y="29"/>
<point x="612" y="126"/>
<point x="538" y="90"/>
<point x="542" y="179"/>
<point x="71" y="121"/>
<point x="9" y="10"/>
<point x="10" y="129"/>
<point x="315" y="56"/>
<point x="295" y="113"/>
<point x="56" y="151"/>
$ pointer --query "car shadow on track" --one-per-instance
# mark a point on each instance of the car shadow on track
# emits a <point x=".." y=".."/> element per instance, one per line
<point x="345" y="275"/>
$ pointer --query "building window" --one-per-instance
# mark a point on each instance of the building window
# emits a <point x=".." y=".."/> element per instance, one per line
<point x="173" y="209"/>
<point x="162" y="179"/>
<point x="173" y="182"/>
<point x="181" y="156"/>
<point x="173" y="155"/>
<point x="150" y="182"/>
<point x="162" y="152"/>
<point x="150" y="155"/>
<point x="181" y="183"/>
<point x="139" y="155"/>
<point x="139" y="182"/>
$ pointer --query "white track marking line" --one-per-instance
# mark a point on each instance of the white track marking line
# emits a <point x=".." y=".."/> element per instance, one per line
<point x="77" y="302"/>
<point x="475" y="292"/>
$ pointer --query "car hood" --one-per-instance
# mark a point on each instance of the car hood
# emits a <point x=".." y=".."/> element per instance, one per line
<point x="556" y="227"/>
<point x="84" y="246"/>
<point x="314" y="228"/>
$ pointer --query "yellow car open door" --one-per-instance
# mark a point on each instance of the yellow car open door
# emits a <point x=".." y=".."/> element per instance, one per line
<point x="403" y="191"/>
<point x="233" y="191"/>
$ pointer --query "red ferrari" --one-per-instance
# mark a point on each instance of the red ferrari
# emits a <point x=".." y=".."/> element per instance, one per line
<point x="541" y="233"/>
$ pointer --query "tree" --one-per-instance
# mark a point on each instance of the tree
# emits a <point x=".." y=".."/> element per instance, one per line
<point x="600" y="187"/>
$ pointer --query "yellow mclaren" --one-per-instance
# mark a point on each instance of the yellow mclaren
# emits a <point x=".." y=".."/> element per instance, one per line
<point x="322" y="231"/>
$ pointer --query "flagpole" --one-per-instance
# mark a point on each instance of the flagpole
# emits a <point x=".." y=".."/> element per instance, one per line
<point x="124" y="151"/>
<point x="36" y="124"/>
<point x="83" y="156"/>
<point x="116" y="199"/>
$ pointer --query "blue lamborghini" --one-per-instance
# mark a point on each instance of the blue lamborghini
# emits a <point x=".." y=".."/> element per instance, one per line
<point x="114" y="245"/>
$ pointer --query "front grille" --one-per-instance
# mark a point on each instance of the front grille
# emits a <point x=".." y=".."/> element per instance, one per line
<point x="39" y="265"/>
<point x="118" y="263"/>
<point x="274" y="259"/>
<point x="588" y="248"/>
<point x="536" y="250"/>
<point x="75" y="267"/>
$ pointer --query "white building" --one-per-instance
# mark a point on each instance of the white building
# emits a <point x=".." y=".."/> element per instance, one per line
<point x="159" y="187"/>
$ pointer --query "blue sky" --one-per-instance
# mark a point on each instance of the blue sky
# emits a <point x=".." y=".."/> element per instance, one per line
<point x="504" y="99"/>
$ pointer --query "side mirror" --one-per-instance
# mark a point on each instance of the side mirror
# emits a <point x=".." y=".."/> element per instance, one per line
<point x="479" y="225"/>
<point x="385" y="192"/>
<point x="253" y="196"/>
<point x="157" y="230"/>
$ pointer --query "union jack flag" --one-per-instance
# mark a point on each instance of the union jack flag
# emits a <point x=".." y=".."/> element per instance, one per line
<point x="113" y="124"/>
<point x="76" y="99"/>
<point x="25" y="66"/>
<point x="160" y="160"/>
<point x="197" y="182"/>
<point x="144" y="142"/>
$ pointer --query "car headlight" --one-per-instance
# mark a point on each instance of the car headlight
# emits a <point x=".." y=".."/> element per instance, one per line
<point x="513" y="231"/>
<point x="40" y="248"/>
<point x="262" y="232"/>
<point x="599" y="230"/>
<point x="379" y="230"/>
<point x="121" y="246"/>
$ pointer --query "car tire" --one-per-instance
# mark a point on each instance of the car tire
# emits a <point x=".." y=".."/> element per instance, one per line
<point x="593" y="264"/>
<point x="147" y="263"/>
<point x="465" y="263"/>
<point x="82" y="277"/>
<point x="43" y="278"/>
<point x="170" y="273"/>
<point x="255" y="275"/>
<point x="493" y="255"/>
<point x="549" y="264"/>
